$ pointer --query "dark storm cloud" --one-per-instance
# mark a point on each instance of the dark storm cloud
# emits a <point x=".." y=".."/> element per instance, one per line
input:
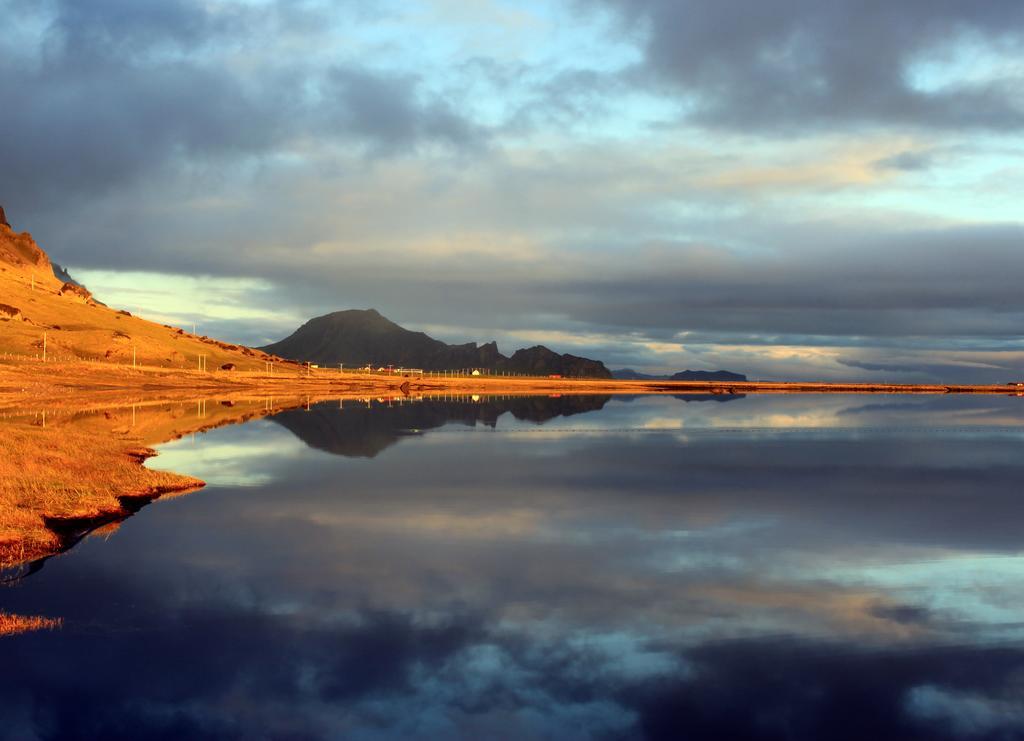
<point x="193" y="137"/>
<point x="867" y="287"/>
<point x="950" y="282"/>
<point x="115" y="90"/>
<point x="803" y="63"/>
<point x="86" y="27"/>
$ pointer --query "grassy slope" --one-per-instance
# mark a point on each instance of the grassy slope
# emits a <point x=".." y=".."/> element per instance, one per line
<point x="79" y="328"/>
<point x="80" y="467"/>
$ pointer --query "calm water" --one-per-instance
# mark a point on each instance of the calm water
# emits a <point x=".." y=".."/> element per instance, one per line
<point x="766" y="567"/>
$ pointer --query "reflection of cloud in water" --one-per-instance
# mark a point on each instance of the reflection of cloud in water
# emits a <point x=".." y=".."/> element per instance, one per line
<point x="750" y="585"/>
<point x="240" y="462"/>
<point x="388" y="675"/>
<point x="968" y="714"/>
<point x="844" y="411"/>
<point x="663" y="423"/>
<point x="966" y="588"/>
<point x="512" y="524"/>
<point x="676" y="534"/>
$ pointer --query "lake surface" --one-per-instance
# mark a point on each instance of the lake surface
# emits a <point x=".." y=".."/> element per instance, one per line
<point x="798" y="567"/>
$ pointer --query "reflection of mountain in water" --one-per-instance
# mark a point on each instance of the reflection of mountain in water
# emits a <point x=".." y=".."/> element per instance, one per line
<point x="708" y="397"/>
<point x="361" y="431"/>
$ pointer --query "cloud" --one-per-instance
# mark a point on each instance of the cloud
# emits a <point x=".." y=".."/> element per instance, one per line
<point x="907" y="292"/>
<point x="802" y="64"/>
<point x="545" y="188"/>
<point x="887" y="367"/>
<point x="112" y="92"/>
<point x="971" y="715"/>
<point x="386" y="109"/>
<point x="908" y="161"/>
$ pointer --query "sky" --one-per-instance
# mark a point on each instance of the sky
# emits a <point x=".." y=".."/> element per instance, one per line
<point x="795" y="189"/>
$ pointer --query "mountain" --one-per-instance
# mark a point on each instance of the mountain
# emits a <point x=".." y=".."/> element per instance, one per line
<point x="359" y="337"/>
<point x="540" y="361"/>
<point x="628" y="374"/>
<point x="719" y="375"/>
<point x="20" y="255"/>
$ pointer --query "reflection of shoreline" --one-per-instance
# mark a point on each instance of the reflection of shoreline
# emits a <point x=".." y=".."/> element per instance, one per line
<point x="68" y="468"/>
<point x="686" y="574"/>
<point x="677" y="580"/>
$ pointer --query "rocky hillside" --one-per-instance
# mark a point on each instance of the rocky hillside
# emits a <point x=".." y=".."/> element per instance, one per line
<point x="36" y="303"/>
<point x="19" y="254"/>
<point x="540" y="361"/>
<point x="361" y="337"/>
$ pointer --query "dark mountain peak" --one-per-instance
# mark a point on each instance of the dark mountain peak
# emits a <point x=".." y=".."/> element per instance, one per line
<point x="363" y="336"/>
<point x="353" y="316"/>
<point x="3" y="217"/>
<point x="536" y="350"/>
<point x="719" y="375"/>
<point x="541" y="360"/>
<point x="628" y="374"/>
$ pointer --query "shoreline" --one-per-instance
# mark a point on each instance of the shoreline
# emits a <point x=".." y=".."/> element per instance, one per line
<point x="25" y="380"/>
<point x="82" y="469"/>
<point x="77" y="435"/>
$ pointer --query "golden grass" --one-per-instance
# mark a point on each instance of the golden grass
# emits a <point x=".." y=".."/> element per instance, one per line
<point x="14" y="624"/>
<point x="61" y="474"/>
<point x="77" y="328"/>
